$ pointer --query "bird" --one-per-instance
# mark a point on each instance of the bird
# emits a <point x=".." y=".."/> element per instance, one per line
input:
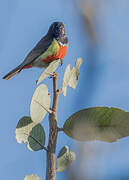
<point x="51" y="47"/>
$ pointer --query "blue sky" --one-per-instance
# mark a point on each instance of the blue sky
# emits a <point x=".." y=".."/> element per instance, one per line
<point x="104" y="79"/>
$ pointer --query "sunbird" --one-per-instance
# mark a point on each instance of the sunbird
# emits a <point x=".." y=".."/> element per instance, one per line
<point x="51" y="47"/>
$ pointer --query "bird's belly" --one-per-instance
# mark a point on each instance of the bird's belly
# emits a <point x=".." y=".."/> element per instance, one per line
<point x="44" y="62"/>
<point x="60" y="55"/>
<point x="39" y="63"/>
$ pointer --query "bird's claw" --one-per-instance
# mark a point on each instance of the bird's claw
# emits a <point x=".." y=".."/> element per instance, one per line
<point x="61" y="60"/>
<point x="53" y="75"/>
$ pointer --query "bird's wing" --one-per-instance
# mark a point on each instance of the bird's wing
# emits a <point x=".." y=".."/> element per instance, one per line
<point x="39" y="49"/>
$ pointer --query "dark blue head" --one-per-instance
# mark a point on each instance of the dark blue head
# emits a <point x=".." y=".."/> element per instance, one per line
<point x="57" y="29"/>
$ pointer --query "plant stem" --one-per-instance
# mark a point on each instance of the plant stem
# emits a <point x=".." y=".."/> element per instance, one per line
<point x="53" y="132"/>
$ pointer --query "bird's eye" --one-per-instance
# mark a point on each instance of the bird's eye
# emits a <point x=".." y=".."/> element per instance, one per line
<point x="56" y="31"/>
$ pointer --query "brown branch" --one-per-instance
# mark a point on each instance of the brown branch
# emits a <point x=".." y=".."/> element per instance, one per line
<point x="53" y="132"/>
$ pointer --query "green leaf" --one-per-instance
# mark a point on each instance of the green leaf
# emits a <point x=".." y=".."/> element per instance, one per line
<point x="98" y="123"/>
<point x="24" y="127"/>
<point x="40" y="103"/>
<point x="36" y="138"/>
<point x="32" y="177"/>
<point x="78" y="64"/>
<point x="30" y="133"/>
<point x="65" y="159"/>
<point x="75" y="72"/>
<point x="71" y="76"/>
<point x="73" y="79"/>
<point x="49" y="70"/>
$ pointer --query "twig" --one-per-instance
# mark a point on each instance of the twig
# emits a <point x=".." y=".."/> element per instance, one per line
<point x="60" y="129"/>
<point x="48" y="110"/>
<point x="53" y="132"/>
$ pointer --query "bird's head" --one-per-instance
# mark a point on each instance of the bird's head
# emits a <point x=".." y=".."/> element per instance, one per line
<point x="57" y="29"/>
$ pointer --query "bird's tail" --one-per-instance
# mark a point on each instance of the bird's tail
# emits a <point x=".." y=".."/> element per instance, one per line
<point x="13" y="72"/>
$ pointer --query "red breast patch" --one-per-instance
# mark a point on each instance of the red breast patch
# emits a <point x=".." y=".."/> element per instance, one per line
<point x="60" y="55"/>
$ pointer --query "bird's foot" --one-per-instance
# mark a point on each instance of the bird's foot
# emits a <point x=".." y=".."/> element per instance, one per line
<point x="61" y="60"/>
<point x="53" y="75"/>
